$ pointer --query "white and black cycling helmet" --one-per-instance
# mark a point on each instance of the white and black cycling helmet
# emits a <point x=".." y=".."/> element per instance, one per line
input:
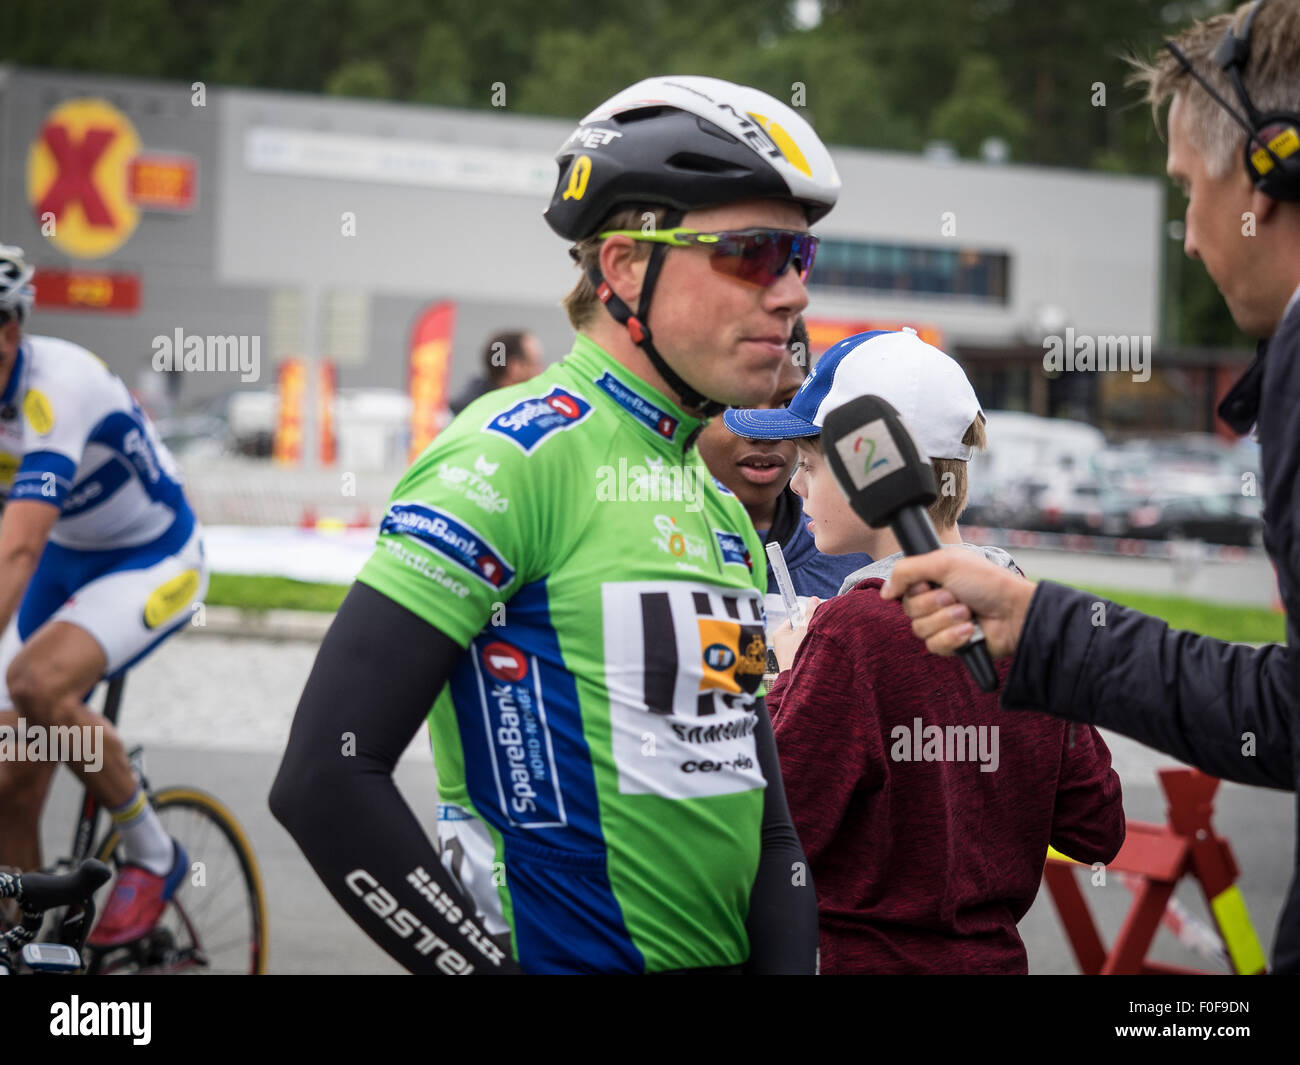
<point x="16" y="292"/>
<point x="684" y="143"/>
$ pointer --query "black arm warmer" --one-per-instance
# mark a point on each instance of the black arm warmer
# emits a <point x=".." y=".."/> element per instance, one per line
<point x="378" y="672"/>
<point x="782" y="922"/>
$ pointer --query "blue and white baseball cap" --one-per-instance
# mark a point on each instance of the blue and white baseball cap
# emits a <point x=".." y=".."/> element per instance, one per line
<point x="926" y="387"/>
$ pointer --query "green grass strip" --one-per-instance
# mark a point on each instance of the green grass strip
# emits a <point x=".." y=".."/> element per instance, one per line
<point x="1239" y="624"/>
<point x="273" y="593"/>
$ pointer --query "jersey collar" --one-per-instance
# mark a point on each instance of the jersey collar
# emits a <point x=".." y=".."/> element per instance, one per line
<point x="14" y="385"/>
<point x="649" y="409"/>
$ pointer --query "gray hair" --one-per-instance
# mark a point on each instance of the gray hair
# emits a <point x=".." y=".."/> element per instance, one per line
<point x="1271" y="77"/>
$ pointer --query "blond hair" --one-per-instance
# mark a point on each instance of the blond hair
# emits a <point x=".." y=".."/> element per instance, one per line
<point x="582" y="304"/>
<point x="950" y="475"/>
<point x="1271" y="77"/>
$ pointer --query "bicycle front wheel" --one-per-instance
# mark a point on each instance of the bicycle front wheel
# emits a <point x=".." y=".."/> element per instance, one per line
<point x="216" y="921"/>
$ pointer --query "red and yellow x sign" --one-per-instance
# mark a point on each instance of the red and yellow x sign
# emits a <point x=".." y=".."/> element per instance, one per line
<point x="77" y="178"/>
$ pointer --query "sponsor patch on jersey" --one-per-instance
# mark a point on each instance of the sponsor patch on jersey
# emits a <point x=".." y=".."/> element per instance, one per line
<point x="452" y="538"/>
<point x="40" y="414"/>
<point x="660" y="421"/>
<point x="505" y="662"/>
<point x="734" y="551"/>
<point x="167" y="600"/>
<point x="683" y="664"/>
<point x="525" y="773"/>
<point x="532" y="420"/>
<point x="672" y="540"/>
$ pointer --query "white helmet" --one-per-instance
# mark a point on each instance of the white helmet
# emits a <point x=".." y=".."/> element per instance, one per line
<point x="688" y="142"/>
<point x="16" y="292"/>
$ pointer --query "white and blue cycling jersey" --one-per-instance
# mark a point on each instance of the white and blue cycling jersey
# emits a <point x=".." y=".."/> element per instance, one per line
<point x="77" y="439"/>
<point x="124" y="559"/>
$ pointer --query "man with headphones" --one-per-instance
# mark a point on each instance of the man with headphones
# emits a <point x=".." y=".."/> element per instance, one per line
<point x="1231" y="710"/>
<point x="560" y="578"/>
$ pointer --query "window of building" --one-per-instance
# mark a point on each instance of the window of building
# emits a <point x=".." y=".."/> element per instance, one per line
<point x="913" y="269"/>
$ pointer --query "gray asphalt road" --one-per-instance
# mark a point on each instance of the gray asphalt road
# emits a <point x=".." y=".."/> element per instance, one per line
<point x="214" y="713"/>
<point x="1249" y="581"/>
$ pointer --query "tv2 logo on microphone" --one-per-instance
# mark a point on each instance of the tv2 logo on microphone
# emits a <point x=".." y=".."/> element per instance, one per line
<point x="869" y="454"/>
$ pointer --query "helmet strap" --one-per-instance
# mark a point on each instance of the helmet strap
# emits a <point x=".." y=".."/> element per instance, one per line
<point x="637" y="325"/>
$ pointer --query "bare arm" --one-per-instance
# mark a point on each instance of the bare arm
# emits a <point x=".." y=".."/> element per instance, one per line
<point x="24" y="530"/>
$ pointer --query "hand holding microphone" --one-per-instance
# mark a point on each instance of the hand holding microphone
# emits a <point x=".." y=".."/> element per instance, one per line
<point x="887" y="482"/>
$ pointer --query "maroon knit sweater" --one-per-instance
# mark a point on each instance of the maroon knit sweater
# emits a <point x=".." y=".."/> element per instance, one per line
<point x="925" y="866"/>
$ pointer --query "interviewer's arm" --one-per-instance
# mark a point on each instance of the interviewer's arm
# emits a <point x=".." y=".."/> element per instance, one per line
<point x="1225" y="708"/>
<point x="378" y="671"/>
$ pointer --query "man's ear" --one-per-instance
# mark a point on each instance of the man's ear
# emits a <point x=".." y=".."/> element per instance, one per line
<point x="623" y="267"/>
<point x="1262" y="206"/>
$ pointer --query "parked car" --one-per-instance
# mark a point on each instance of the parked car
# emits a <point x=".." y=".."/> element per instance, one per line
<point x="1224" y="518"/>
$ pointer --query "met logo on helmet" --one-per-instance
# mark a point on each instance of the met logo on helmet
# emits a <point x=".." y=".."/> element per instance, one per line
<point x="593" y="137"/>
<point x="770" y="138"/>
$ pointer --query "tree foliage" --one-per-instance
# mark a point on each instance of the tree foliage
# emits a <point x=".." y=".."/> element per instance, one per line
<point x="889" y="74"/>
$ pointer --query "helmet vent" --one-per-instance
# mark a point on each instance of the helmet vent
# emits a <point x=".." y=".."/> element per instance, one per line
<point x="704" y="164"/>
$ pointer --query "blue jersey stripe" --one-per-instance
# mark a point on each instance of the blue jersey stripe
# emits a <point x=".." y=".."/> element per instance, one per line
<point x="125" y="433"/>
<point x="45" y="476"/>
<point x="529" y="774"/>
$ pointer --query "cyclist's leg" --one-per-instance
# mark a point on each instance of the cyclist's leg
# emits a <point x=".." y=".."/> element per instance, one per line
<point x="130" y="610"/>
<point x="48" y="682"/>
<point x="110" y="622"/>
<point x="24" y="783"/>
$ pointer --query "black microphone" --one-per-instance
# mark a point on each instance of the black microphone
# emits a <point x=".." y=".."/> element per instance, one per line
<point x="876" y="463"/>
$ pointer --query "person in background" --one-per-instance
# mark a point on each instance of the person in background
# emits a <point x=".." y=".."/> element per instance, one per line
<point x="758" y="473"/>
<point x="925" y="812"/>
<point x="509" y="358"/>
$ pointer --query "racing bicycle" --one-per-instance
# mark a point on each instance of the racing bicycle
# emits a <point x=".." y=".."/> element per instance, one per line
<point x="215" y="922"/>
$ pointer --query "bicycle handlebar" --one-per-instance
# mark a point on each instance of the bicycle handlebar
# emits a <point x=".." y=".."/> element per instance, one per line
<point x="37" y="892"/>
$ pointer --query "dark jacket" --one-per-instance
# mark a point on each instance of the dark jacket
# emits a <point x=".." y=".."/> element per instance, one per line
<point x="478" y="387"/>
<point x="1187" y="695"/>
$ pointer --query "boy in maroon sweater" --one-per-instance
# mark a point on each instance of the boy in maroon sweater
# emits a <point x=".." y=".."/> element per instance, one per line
<point x="925" y="811"/>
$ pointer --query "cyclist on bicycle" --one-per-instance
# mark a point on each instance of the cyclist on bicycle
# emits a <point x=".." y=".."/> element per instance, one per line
<point x="579" y="601"/>
<point x="100" y="561"/>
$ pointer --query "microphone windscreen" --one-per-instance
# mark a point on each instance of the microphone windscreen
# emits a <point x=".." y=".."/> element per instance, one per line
<point x="875" y="460"/>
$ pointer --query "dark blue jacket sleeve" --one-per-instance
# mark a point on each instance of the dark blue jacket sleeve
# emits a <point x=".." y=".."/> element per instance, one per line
<point x="1227" y="709"/>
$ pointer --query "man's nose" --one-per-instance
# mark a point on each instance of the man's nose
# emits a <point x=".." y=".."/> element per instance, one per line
<point x="787" y="293"/>
<point x="1189" y="241"/>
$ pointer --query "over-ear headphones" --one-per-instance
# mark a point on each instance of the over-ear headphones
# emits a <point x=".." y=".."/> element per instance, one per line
<point x="1272" y="151"/>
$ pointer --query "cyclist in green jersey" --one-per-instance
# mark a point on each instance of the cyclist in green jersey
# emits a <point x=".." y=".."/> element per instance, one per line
<point x="580" y="602"/>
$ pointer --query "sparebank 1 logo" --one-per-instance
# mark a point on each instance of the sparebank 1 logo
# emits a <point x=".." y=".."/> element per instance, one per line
<point x="78" y="175"/>
<point x="505" y="662"/>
